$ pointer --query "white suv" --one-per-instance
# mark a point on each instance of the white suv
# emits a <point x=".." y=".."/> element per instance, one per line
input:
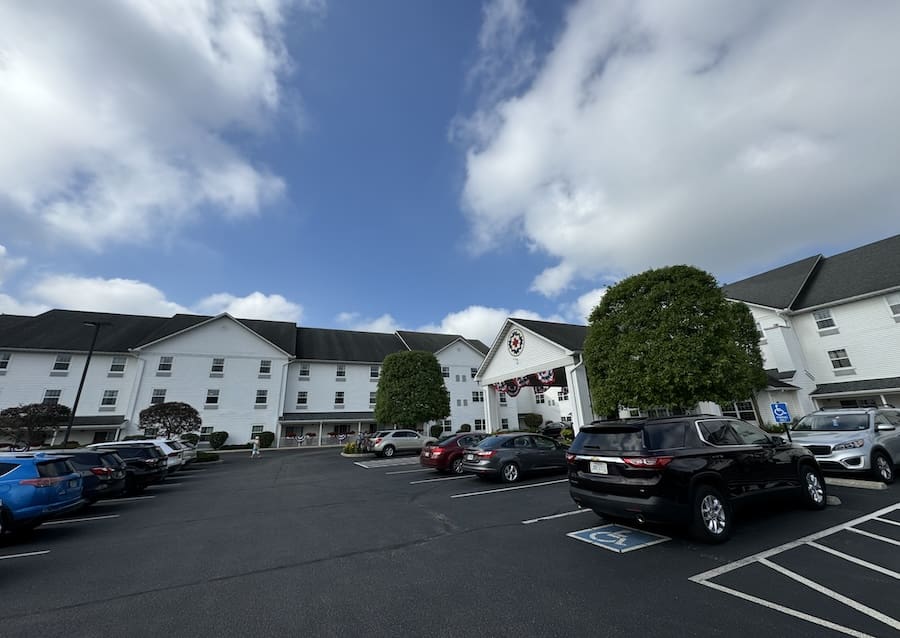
<point x="853" y="440"/>
<point x="389" y="442"/>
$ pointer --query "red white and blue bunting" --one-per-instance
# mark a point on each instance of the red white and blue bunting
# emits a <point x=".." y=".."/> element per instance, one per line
<point x="539" y="381"/>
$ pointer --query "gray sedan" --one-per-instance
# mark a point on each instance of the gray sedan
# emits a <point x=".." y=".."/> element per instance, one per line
<point x="509" y="456"/>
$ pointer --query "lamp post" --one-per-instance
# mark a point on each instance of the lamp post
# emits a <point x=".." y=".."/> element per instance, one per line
<point x="97" y="325"/>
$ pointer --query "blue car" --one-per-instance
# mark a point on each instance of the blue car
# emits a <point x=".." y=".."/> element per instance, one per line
<point x="35" y="487"/>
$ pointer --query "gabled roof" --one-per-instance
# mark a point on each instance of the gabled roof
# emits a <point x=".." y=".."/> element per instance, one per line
<point x="435" y="342"/>
<point x="325" y="344"/>
<point x="568" y="335"/>
<point x="817" y="281"/>
<point x="65" y="330"/>
<point x="280" y="334"/>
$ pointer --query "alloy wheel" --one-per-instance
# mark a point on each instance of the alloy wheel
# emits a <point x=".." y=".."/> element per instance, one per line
<point x="814" y="488"/>
<point x="884" y="468"/>
<point x="713" y="514"/>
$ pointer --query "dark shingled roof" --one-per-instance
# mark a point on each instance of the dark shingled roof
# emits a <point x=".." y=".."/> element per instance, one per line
<point x="889" y="383"/>
<point x="324" y="344"/>
<point x="435" y="342"/>
<point x="65" y="330"/>
<point x="480" y="346"/>
<point x="817" y="281"/>
<point x="568" y="335"/>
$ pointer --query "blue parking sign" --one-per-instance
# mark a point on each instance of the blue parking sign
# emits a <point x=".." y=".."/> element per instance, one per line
<point x="618" y="538"/>
<point x="780" y="410"/>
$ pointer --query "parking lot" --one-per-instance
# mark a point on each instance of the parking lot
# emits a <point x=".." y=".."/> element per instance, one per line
<point x="305" y="542"/>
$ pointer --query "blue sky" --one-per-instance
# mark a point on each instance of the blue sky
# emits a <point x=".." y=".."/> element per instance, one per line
<point x="431" y="165"/>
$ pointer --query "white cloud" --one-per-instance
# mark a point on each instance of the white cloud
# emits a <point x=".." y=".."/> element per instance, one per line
<point x="12" y="306"/>
<point x="580" y="310"/>
<point x="354" y="321"/>
<point x="8" y="264"/>
<point x="480" y="322"/>
<point x="256" y="305"/>
<point x="114" y="118"/>
<point x="717" y="134"/>
<point x="125" y="296"/>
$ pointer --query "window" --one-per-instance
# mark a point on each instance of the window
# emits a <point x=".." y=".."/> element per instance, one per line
<point x="117" y="366"/>
<point x="717" y="432"/>
<point x="739" y="410"/>
<point x="374" y="371"/>
<point x="825" y="322"/>
<point x="62" y="363"/>
<point x="51" y="397"/>
<point x="473" y="372"/>
<point x="4" y="361"/>
<point x="478" y="396"/>
<point x="304" y="371"/>
<point x="159" y="396"/>
<point x="634" y="412"/>
<point x="749" y="434"/>
<point x="759" y="331"/>
<point x="504" y="423"/>
<point x="372" y="399"/>
<point x="839" y="359"/>
<point x="255" y="429"/>
<point x="109" y="399"/>
<point x="212" y="397"/>
<point x="479" y="424"/>
<point x="892" y="299"/>
<point x="262" y="397"/>
<point x="338" y="399"/>
<point x="341" y="372"/>
<point x="265" y="367"/>
<point x="445" y="372"/>
<point x="858" y="403"/>
<point x="217" y="367"/>
<point x="564" y="394"/>
<point x="205" y="431"/>
<point x="164" y="369"/>
<point x="302" y="399"/>
<point x="503" y="398"/>
<point x="539" y="397"/>
<point x="458" y="379"/>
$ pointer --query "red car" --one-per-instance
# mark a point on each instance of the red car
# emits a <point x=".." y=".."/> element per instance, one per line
<point x="446" y="454"/>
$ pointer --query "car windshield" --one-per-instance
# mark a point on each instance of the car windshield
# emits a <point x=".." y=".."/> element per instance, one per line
<point x="832" y="423"/>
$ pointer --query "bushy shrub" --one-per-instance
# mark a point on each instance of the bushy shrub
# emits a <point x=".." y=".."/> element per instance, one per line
<point x="239" y="446"/>
<point x="217" y="439"/>
<point x="206" y="457"/>
<point x="465" y="427"/>
<point x="191" y="437"/>
<point x="266" y="439"/>
<point x="567" y="435"/>
<point x="532" y="421"/>
<point x="351" y="448"/>
<point x="436" y="430"/>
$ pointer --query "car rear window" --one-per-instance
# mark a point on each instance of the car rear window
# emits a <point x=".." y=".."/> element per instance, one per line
<point x="651" y="436"/>
<point x="135" y="452"/>
<point x="6" y="468"/>
<point x="59" y="467"/>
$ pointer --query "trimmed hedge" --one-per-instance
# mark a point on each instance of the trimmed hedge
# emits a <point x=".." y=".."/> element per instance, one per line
<point x="266" y="439"/>
<point x="207" y="457"/>
<point x="217" y="439"/>
<point x="465" y="427"/>
<point x="436" y="430"/>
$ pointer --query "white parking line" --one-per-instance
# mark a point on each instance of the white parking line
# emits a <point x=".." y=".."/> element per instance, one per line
<point x="445" y="478"/>
<point x="370" y="465"/>
<point x="164" y="484"/>
<point x="507" y="489"/>
<point x="40" y="553"/>
<point x="886" y="520"/>
<point x="422" y="469"/>
<point x="124" y="499"/>
<point x="86" y="519"/>
<point x="706" y="578"/>
<point x="551" y="517"/>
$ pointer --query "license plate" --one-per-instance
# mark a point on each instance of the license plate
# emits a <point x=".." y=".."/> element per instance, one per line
<point x="598" y="467"/>
<point x="470" y="457"/>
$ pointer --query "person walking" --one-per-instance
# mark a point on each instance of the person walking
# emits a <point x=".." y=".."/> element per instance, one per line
<point x="255" y="451"/>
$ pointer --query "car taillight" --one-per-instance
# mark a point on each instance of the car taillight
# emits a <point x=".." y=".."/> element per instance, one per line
<point x="570" y="458"/>
<point x="102" y="472"/>
<point x="41" y="482"/>
<point x="436" y="451"/>
<point x="377" y="441"/>
<point x="648" y="462"/>
<point x="486" y="454"/>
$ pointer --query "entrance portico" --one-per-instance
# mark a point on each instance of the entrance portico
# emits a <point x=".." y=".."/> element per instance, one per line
<point x="528" y="353"/>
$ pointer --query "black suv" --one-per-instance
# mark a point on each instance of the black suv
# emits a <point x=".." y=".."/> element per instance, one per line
<point x="144" y="463"/>
<point x="687" y="469"/>
<point x="102" y="472"/>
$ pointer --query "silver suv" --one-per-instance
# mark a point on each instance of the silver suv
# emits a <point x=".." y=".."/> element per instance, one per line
<point x="853" y="440"/>
<point x="389" y="442"/>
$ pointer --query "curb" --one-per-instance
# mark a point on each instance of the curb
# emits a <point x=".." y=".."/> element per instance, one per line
<point x="845" y="482"/>
<point x="365" y="455"/>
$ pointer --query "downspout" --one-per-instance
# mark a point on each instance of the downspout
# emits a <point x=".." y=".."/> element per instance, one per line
<point x="280" y="413"/>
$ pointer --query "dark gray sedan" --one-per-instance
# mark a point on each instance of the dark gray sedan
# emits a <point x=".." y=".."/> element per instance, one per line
<point x="509" y="456"/>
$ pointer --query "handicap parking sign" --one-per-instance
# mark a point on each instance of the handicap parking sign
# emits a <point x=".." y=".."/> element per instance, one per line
<point x="780" y="410"/>
<point x="618" y="538"/>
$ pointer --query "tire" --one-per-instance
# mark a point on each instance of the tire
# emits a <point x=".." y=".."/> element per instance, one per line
<point x="813" y="488"/>
<point x="456" y="465"/>
<point x="711" y="515"/>
<point x="388" y="451"/>
<point x="882" y="467"/>
<point x="509" y="473"/>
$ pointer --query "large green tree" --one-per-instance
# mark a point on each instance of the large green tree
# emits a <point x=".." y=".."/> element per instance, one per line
<point x="170" y="419"/>
<point x="411" y="390"/>
<point x="33" y="422"/>
<point x="668" y="337"/>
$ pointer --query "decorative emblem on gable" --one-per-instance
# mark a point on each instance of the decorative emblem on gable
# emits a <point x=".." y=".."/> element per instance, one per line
<point x="516" y="342"/>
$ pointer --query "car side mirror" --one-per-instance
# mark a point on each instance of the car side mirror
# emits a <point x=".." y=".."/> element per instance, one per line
<point x="884" y="427"/>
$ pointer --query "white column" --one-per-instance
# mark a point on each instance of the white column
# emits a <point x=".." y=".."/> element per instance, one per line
<point x="580" y="395"/>
<point x="491" y="408"/>
<point x="320" y="434"/>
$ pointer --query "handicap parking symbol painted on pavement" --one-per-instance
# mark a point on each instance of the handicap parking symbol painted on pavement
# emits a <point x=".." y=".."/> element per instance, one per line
<point x="618" y="538"/>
